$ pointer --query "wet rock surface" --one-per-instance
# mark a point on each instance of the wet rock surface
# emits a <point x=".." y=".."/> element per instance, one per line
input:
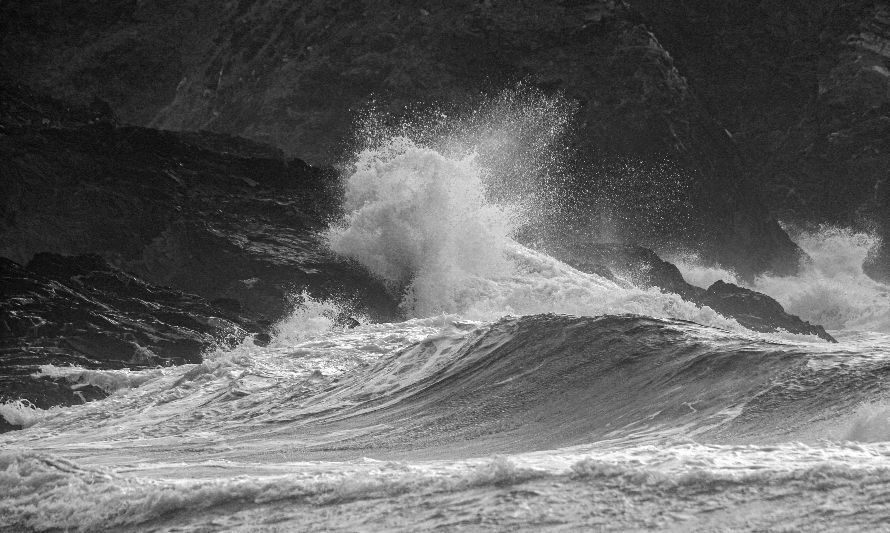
<point x="143" y="247"/>
<point x="295" y="75"/>
<point x="79" y="310"/>
<point x="756" y="310"/>
<point x="643" y="267"/>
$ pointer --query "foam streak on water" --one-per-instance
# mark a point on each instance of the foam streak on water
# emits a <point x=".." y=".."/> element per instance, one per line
<point x="517" y="393"/>
<point x="830" y="288"/>
<point x="423" y="223"/>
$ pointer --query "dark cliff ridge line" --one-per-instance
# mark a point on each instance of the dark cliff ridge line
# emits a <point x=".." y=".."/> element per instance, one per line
<point x="208" y="213"/>
<point x="751" y="309"/>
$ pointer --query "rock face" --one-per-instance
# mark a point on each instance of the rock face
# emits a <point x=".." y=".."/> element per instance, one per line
<point x="220" y="217"/>
<point x="756" y="310"/>
<point x="804" y="89"/>
<point x="291" y="74"/>
<point x="643" y="267"/>
<point x="79" y="310"/>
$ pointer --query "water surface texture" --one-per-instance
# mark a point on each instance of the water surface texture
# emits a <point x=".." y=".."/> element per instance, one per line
<point x="517" y="393"/>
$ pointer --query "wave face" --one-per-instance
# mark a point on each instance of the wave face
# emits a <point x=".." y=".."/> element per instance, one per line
<point x="517" y="392"/>
<point x="424" y="223"/>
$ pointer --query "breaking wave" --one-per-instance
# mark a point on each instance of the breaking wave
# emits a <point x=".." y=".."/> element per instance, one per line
<point x="426" y="224"/>
<point x="830" y="287"/>
<point x="509" y="368"/>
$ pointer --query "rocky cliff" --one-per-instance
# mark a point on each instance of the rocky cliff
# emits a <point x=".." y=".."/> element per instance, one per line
<point x="293" y="74"/>
<point x="225" y="218"/>
<point x="176" y="243"/>
<point x="804" y="90"/>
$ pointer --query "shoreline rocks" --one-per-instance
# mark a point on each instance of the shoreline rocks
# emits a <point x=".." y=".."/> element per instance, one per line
<point x="643" y="267"/>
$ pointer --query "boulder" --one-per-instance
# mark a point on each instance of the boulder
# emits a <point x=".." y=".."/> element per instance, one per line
<point x="756" y="310"/>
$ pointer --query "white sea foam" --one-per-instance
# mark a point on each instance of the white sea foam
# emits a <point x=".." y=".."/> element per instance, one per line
<point x="417" y="218"/>
<point x="645" y="482"/>
<point x="311" y="317"/>
<point x="109" y="380"/>
<point x="697" y="272"/>
<point x="870" y="423"/>
<point x="424" y="223"/>
<point x="20" y="413"/>
<point x="830" y="288"/>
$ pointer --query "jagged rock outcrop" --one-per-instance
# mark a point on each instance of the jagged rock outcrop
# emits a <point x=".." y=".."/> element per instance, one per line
<point x="643" y="267"/>
<point x="79" y="310"/>
<point x="217" y="216"/>
<point x="292" y="74"/>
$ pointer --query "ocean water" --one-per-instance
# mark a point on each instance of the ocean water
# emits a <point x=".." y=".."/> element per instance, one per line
<point x="517" y="394"/>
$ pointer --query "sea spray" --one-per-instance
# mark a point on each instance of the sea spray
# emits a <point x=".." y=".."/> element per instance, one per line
<point x="435" y="223"/>
<point x="700" y="273"/>
<point x="311" y="317"/>
<point x="419" y="219"/>
<point x="830" y="287"/>
<point x="20" y="413"/>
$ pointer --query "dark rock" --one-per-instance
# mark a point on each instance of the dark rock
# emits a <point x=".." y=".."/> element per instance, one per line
<point x="803" y="87"/>
<point x="343" y="320"/>
<point x="6" y="426"/>
<point x="756" y="311"/>
<point x="21" y="106"/>
<point x="640" y="265"/>
<point x="643" y="267"/>
<point x="262" y="339"/>
<point x="293" y="74"/>
<point x="207" y="213"/>
<point x="80" y="310"/>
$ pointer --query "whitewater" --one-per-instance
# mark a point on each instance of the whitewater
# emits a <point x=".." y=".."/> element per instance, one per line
<point x="517" y="393"/>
